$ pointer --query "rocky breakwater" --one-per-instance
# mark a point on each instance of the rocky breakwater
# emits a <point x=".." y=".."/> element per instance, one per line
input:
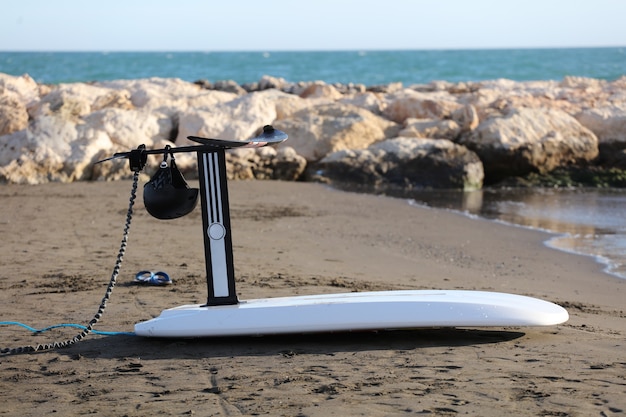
<point x="436" y="135"/>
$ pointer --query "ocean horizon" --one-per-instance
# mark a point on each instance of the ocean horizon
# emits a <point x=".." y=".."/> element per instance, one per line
<point x="369" y="67"/>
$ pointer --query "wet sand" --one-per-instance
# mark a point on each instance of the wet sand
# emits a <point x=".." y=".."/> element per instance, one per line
<point x="59" y="244"/>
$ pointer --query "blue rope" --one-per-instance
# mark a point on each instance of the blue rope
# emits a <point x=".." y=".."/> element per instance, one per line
<point x="56" y="326"/>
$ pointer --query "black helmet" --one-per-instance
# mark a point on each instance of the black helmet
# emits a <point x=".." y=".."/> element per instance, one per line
<point x="167" y="195"/>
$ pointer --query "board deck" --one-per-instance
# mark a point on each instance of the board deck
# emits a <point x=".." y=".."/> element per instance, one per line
<point x="354" y="312"/>
<point x="270" y="136"/>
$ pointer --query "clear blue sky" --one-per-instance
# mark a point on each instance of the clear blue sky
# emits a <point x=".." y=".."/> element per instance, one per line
<point x="272" y="25"/>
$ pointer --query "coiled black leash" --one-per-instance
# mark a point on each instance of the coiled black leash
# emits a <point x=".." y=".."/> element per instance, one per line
<point x="137" y="160"/>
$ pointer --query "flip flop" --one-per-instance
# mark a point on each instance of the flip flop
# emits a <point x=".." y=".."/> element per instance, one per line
<point x="160" y="278"/>
<point x="152" y="278"/>
<point x="143" y="276"/>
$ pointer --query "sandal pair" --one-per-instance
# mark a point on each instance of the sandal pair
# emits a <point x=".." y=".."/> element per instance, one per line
<point x="152" y="278"/>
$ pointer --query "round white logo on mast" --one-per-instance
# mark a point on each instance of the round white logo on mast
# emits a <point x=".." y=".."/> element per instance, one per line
<point x="216" y="231"/>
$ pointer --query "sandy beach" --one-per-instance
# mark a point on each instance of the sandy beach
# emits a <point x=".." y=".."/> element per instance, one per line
<point x="59" y="244"/>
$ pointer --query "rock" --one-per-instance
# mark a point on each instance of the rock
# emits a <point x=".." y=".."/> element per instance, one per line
<point x="38" y="154"/>
<point x="530" y="140"/>
<point x="296" y="88"/>
<point x="240" y="164"/>
<point x="321" y="90"/>
<point x="351" y="88"/>
<point x="54" y="133"/>
<point x="268" y="82"/>
<point x="66" y="104"/>
<point x="13" y="114"/>
<point x="405" y="163"/>
<point x="57" y="147"/>
<point x="79" y="99"/>
<point x="238" y="119"/>
<point x="613" y="159"/>
<point x="429" y="128"/>
<point x="265" y="163"/>
<point x="117" y="99"/>
<point x="435" y="85"/>
<point x="466" y="117"/>
<point x="583" y="83"/>
<point x="317" y="131"/>
<point x="90" y="145"/>
<point x="167" y="95"/>
<point x="22" y="88"/>
<point x="607" y="123"/>
<point x="287" y="164"/>
<point x="203" y="101"/>
<point x="204" y="84"/>
<point x="385" y="88"/>
<point x="286" y="104"/>
<point x="367" y="100"/>
<point x="412" y="104"/>
<point x="497" y="97"/>
<point x="130" y="128"/>
<point x="229" y="86"/>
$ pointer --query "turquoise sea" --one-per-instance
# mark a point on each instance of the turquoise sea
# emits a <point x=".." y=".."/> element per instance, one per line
<point x="587" y="221"/>
<point x="363" y="67"/>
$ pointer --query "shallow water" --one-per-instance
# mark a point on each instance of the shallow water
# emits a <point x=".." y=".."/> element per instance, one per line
<point x="589" y="222"/>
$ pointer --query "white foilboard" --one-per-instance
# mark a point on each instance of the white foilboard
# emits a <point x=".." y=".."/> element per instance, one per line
<point x="354" y="312"/>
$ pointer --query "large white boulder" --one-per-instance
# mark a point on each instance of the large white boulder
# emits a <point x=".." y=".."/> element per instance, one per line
<point x="405" y="163"/>
<point x="238" y="119"/>
<point x="317" y="131"/>
<point x="409" y="103"/>
<point x="608" y="123"/>
<point x="528" y="140"/>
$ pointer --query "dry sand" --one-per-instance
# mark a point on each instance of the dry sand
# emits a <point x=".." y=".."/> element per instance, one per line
<point x="59" y="243"/>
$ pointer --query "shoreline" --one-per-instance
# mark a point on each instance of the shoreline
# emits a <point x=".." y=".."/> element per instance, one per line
<point x="524" y="208"/>
<point x="603" y="261"/>
<point x="297" y="238"/>
<point x="548" y="243"/>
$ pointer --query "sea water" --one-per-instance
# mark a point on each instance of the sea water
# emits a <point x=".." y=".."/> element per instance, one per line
<point x="360" y="67"/>
<point x="587" y="221"/>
